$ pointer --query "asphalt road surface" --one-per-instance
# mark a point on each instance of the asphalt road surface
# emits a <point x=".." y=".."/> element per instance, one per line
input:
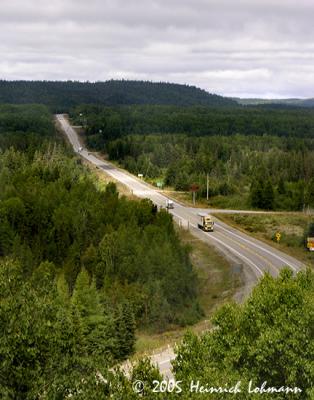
<point x="252" y="256"/>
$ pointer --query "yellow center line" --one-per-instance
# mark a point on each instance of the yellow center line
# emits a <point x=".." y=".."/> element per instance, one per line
<point x="247" y="248"/>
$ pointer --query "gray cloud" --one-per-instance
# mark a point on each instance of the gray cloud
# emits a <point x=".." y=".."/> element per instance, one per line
<point x="239" y="48"/>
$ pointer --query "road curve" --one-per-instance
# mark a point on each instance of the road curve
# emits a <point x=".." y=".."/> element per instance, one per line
<point x="251" y="253"/>
<point x="253" y="256"/>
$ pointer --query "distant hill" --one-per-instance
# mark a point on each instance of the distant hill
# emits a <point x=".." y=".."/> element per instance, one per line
<point x="307" y="103"/>
<point x="283" y="102"/>
<point x="62" y="95"/>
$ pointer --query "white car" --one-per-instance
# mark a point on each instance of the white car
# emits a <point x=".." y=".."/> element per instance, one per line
<point x="169" y="204"/>
<point x="80" y="149"/>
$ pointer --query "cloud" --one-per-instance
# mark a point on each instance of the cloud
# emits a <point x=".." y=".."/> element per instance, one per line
<point x="238" y="48"/>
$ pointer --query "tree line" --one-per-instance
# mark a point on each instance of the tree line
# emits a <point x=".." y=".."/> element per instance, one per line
<point x="60" y="96"/>
<point x="105" y="123"/>
<point x="270" y="170"/>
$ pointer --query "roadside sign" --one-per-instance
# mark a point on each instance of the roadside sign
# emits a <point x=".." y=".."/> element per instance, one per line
<point x="194" y="187"/>
<point x="278" y="236"/>
<point x="160" y="184"/>
<point x="310" y="243"/>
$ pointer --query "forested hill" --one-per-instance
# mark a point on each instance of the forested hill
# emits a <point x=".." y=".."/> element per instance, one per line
<point x="60" y="96"/>
<point x="276" y="103"/>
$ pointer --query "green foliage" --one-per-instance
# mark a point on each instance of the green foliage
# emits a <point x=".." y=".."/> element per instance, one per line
<point x="50" y="210"/>
<point x="125" y="331"/>
<point x="284" y="183"/>
<point x="101" y="338"/>
<point x="113" y="122"/>
<point x="61" y="96"/>
<point x="41" y="340"/>
<point x="55" y="213"/>
<point x="262" y="194"/>
<point x="80" y="269"/>
<point x="25" y="128"/>
<point x="268" y="338"/>
<point x="274" y="149"/>
<point x="310" y="230"/>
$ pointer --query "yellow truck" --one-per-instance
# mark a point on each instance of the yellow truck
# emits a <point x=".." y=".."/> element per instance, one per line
<point x="310" y="243"/>
<point x="206" y="222"/>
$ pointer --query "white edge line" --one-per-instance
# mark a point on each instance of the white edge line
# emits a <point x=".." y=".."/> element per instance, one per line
<point x="233" y="250"/>
<point x="165" y="361"/>
<point x="259" y="247"/>
<point x="219" y="241"/>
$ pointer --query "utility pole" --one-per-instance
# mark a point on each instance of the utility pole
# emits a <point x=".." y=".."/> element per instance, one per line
<point x="207" y="187"/>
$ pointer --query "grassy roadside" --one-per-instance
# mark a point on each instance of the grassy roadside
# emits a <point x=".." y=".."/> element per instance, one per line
<point x="217" y="285"/>
<point x="235" y="202"/>
<point x="291" y="226"/>
<point x="101" y="179"/>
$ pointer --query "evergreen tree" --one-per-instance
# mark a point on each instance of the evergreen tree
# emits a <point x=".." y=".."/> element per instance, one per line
<point x="41" y="343"/>
<point x="257" y="193"/>
<point x="98" y="328"/>
<point x="281" y="186"/>
<point x="125" y="331"/>
<point x="310" y="193"/>
<point x="268" y="196"/>
<point x="310" y="230"/>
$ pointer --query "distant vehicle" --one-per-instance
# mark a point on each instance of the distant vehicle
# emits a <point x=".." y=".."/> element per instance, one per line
<point x="80" y="149"/>
<point x="310" y="243"/>
<point x="206" y="222"/>
<point x="169" y="204"/>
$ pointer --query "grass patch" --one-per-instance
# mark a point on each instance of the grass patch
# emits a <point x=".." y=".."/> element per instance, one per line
<point x="101" y="179"/>
<point x="235" y="201"/>
<point x="217" y="282"/>
<point x="217" y="285"/>
<point x="291" y="226"/>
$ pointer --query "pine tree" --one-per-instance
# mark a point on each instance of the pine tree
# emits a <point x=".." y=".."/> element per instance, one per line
<point x="310" y="230"/>
<point x="281" y="186"/>
<point x="310" y="193"/>
<point x="256" y="193"/>
<point x="63" y="289"/>
<point x="125" y="330"/>
<point x="98" y="328"/>
<point x="85" y="296"/>
<point x="268" y="196"/>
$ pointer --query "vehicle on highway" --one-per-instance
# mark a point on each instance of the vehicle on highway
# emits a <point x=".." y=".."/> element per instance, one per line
<point x="206" y="222"/>
<point x="80" y="149"/>
<point x="238" y="244"/>
<point x="169" y="204"/>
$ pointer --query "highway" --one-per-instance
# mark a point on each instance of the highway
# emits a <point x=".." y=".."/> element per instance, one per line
<point x="255" y="256"/>
<point x="252" y="256"/>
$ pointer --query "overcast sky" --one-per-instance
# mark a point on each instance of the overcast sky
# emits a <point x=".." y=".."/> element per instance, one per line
<point x="243" y="48"/>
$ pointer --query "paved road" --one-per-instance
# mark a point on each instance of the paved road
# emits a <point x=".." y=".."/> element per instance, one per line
<point x="162" y="359"/>
<point x="253" y="256"/>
